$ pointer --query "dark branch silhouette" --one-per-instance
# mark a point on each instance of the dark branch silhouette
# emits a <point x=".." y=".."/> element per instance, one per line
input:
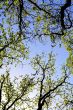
<point x="1" y="86"/>
<point x="42" y="99"/>
<point x="20" y="14"/>
<point x="63" y="8"/>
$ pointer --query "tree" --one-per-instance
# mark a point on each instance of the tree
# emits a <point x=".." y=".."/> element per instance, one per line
<point x="54" y="18"/>
<point x="14" y="94"/>
<point x="50" y="12"/>
<point x="45" y="90"/>
<point x="21" y="20"/>
<point x="52" y="92"/>
<point x="12" y="48"/>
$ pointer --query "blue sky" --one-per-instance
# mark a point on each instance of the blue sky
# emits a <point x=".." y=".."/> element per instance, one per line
<point x="36" y="47"/>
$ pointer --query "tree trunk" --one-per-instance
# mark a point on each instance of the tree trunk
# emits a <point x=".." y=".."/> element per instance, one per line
<point x="40" y="107"/>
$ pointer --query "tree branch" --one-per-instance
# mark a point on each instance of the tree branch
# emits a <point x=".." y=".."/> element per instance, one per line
<point x="20" y="14"/>
<point x="41" y="9"/>
<point x="63" y="8"/>
<point x="1" y="85"/>
<point x="42" y="99"/>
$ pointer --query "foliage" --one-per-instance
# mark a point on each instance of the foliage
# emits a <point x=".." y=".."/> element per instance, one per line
<point x="11" y="47"/>
<point x="21" y="19"/>
<point x="52" y="91"/>
<point x="45" y="90"/>
<point x="14" y="94"/>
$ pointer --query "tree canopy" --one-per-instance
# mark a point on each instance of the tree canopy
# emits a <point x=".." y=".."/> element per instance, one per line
<point x="44" y="90"/>
<point x="25" y="20"/>
<point x="13" y="94"/>
<point x="21" y="20"/>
